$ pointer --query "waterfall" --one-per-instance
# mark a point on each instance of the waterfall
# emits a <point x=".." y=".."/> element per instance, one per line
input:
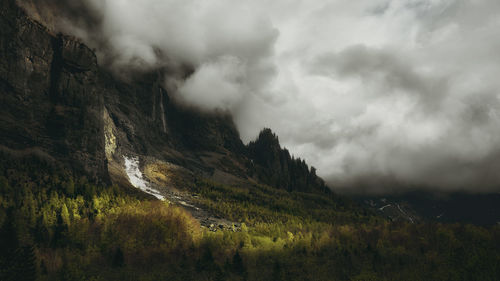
<point x="163" y="112"/>
<point x="135" y="177"/>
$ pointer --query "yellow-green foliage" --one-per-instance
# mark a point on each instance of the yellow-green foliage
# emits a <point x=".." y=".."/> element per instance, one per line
<point x="72" y="230"/>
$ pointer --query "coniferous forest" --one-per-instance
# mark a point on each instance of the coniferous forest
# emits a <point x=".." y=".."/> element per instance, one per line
<point x="57" y="227"/>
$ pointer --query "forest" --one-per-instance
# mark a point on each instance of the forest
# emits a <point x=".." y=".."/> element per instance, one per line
<point x="55" y="226"/>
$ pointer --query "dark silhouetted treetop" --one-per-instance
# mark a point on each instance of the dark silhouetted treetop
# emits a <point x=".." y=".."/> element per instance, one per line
<point x="273" y="165"/>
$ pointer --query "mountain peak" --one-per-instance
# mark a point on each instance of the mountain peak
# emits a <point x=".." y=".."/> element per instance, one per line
<point x="278" y="168"/>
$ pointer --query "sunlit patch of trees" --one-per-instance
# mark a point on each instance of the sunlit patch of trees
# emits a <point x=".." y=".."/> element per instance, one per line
<point x="57" y="227"/>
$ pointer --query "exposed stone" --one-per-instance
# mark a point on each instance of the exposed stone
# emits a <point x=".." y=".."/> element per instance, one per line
<point x="77" y="55"/>
<point x="45" y="102"/>
<point x="109" y="134"/>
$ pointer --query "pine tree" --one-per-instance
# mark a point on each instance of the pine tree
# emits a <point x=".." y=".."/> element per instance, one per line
<point x="118" y="258"/>
<point x="65" y="215"/>
<point x="238" y="265"/>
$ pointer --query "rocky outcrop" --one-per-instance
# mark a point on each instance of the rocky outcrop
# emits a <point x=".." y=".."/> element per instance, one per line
<point x="49" y="95"/>
<point x="76" y="55"/>
<point x="274" y="166"/>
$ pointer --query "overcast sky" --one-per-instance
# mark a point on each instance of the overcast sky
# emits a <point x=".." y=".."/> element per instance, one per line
<point x="376" y="94"/>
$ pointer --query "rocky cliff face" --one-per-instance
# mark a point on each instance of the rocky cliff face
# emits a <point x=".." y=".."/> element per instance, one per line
<point x="55" y="98"/>
<point x="50" y="98"/>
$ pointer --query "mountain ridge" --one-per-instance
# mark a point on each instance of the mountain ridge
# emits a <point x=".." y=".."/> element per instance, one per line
<point x="89" y="119"/>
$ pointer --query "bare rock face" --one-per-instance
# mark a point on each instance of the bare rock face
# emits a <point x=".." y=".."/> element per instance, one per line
<point x="49" y="94"/>
<point x="77" y="55"/>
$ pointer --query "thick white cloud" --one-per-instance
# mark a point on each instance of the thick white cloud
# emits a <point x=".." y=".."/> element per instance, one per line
<point x="376" y="94"/>
<point x="218" y="84"/>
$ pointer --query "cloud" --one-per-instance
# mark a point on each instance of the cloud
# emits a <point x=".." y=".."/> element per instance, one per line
<point x="378" y="95"/>
<point x="218" y="84"/>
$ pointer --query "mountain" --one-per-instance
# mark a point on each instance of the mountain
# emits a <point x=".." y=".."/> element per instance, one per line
<point x="105" y="178"/>
<point x="62" y="104"/>
<point x="457" y="207"/>
<point x="63" y="107"/>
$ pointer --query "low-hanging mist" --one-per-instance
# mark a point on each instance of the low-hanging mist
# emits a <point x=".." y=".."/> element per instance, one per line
<point x="377" y="95"/>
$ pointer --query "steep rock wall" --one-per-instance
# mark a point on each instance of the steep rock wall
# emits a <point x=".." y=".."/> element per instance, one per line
<point x="49" y="95"/>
